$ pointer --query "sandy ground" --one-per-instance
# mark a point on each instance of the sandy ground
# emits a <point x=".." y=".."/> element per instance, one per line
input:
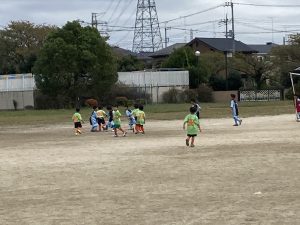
<point x="234" y="175"/>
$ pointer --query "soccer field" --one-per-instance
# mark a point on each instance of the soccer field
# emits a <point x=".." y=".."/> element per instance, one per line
<point x="234" y="175"/>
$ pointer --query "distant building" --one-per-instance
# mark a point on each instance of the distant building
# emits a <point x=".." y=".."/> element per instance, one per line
<point x="161" y="55"/>
<point x="222" y="45"/>
<point x="263" y="49"/>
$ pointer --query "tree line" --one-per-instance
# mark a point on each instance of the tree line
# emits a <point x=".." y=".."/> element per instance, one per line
<point x="76" y="61"/>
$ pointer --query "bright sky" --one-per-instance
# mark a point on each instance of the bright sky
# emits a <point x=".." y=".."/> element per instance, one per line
<point x="254" y="24"/>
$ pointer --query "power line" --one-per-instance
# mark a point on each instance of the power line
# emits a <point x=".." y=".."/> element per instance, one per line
<point x="266" y="5"/>
<point x="115" y="9"/>
<point x="193" y="14"/>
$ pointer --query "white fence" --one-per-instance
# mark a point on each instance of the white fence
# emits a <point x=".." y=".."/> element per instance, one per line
<point x="261" y="95"/>
<point x="157" y="78"/>
<point x="155" y="83"/>
<point x="17" y="82"/>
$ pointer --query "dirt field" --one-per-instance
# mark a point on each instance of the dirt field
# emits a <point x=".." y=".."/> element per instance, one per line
<point x="234" y="175"/>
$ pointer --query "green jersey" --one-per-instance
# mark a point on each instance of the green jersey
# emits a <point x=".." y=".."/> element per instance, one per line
<point x="192" y="122"/>
<point x="76" y="117"/>
<point x="117" y="117"/>
<point x="134" y="112"/>
<point x="140" y="117"/>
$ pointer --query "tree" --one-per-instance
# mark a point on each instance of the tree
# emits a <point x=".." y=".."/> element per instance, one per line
<point x="129" y="63"/>
<point x="287" y="58"/>
<point x="75" y="61"/>
<point x="185" y="58"/>
<point x="20" y="42"/>
<point x="257" y="68"/>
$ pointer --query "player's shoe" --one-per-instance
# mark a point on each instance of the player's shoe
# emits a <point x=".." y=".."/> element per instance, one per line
<point x="79" y="132"/>
<point x="235" y="125"/>
<point x="116" y="135"/>
<point x="192" y="145"/>
<point x="124" y="134"/>
<point x="241" y="122"/>
<point x="187" y="142"/>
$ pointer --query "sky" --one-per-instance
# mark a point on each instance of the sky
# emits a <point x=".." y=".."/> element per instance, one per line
<point x="253" y="24"/>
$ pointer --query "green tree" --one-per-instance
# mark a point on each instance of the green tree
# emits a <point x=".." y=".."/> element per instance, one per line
<point x="259" y="69"/>
<point x="20" y="43"/>
<point x="287" y="58"/>
<point x="129" y="63"/>
<point x="185" y="58"/>
<point x="75" y="61"/>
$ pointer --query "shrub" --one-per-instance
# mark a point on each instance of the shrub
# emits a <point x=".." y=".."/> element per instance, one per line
<point x="189" y="94"/>
<point x="172" y="96"/>
<point x="121" y="101"/>
<point x="204" y="93"/>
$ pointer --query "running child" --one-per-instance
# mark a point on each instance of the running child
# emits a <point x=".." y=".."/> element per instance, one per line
<point x="140" y="122"/>
<point x="117" y="121"/>
<point x="235" y="111"/>
<point x="193" y="126"/>
<point x="131" y="119"/>
<point x="77" y="119"/>
<point x="93" y="120"/>
<point x="297" y="103"/>
<point x="110" y="123"/>
<point x="135" y="110"/>
<point x="197" y="106"/>
<point x="101" y="114"/>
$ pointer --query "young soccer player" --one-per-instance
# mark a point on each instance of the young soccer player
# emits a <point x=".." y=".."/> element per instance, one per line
<point x="197" y="106"/>
<point x="101" y="114"/>
<point x="110" y="123"/>
<point x="193" y="126"/>
<point x="297" y="103"/>
<point x="131" y="119"/>
<point x="117" y="121"/>
<point x="235" y="111"/>
<point x="77" y="119"/>
<point x="140" y="120"/>
<point x="93" y="120"/>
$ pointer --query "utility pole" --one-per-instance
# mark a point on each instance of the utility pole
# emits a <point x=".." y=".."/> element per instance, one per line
<point x="233" y="32"/>
<point x="191" y="34"/>
<point x="226" y="26"/>
<point x="166" y="36"/>
<point x="147" y="36"/>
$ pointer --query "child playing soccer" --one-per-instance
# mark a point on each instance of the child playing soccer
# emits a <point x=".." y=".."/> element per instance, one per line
<point x="297" y="104"/>
<point x="110" y="123"/>
<point x="235" y="111"/>
<point x="134" y="112"/>
<point x="101" y="114"/>
<point x="193" y="125"/>
<point x="197" y="106"/>
<point x="93" y="120"/>
<point x="117" y="122"/>
<point x="140" y="120"/>
<point x="131" y="119"/>
<point x="77" y="119"/>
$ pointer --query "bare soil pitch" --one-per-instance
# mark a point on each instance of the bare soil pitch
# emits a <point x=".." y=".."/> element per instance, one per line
<point x="234" y="175"/>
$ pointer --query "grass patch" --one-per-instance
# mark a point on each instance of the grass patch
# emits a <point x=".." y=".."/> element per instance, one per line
<point x="154" y="112"/>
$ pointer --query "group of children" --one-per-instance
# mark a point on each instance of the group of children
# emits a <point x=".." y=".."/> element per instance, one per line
<point x="136" y="120"/>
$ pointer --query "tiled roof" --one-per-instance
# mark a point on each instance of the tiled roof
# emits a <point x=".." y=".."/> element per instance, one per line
<point x="167" y="51"/>
<point x="263" y="49"/>
<point x="224" y="44"/>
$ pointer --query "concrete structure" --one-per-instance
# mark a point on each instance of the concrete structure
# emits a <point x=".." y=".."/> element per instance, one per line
<point x="18" y="88"/>
<point x="155" y="83"/>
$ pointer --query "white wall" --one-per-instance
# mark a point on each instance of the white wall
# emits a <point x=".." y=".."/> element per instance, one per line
<point x="17" y="82"/>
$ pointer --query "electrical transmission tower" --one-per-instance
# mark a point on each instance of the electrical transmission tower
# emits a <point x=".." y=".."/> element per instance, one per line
<point x="147" y="36"/>
<point x="101" y="26"/>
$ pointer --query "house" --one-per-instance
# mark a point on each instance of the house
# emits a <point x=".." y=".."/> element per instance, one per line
<point x="263" y="49"/>
<point x="160" y="55"/>
<point x="223" y="45"/>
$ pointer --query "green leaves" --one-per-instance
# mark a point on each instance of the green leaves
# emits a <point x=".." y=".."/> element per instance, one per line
<point x="75" y="61"/>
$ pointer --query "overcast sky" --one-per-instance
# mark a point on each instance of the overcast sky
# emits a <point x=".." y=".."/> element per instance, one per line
<point x="254" y="25"/>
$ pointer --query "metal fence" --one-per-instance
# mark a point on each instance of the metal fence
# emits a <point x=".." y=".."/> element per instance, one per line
<point x="261" y="95"/>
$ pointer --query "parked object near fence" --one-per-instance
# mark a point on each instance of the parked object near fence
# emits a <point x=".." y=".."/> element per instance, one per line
<point x="261" y="95"/>
<point x="155" y="83"/>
